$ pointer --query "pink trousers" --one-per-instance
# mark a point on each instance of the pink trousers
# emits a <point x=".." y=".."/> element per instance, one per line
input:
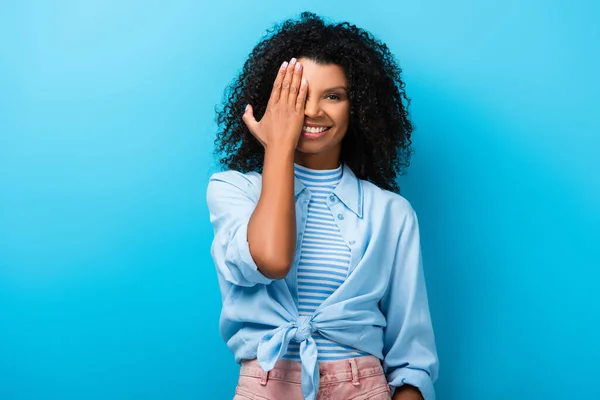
<point x="360" y="378"/>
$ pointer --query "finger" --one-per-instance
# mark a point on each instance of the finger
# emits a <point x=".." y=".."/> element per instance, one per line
<point x="301" y="99"/>
<point x="295" y="85"/>
<point x="252" y="124"/>
<point x="249" y="119"/>
<point x="287" y="80"/>
<point x="277" y="84"/>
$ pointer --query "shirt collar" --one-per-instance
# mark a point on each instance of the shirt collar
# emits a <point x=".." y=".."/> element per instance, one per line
<point x="349" y="190"/>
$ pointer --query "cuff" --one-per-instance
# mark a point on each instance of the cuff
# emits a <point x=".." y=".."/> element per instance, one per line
<point x="414" y="377"/>
<point x="239" y="252"/>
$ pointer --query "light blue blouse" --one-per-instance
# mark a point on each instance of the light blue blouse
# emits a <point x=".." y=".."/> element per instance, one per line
<point x="381" y="308"/>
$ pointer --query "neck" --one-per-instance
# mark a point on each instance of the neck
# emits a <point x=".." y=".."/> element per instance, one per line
<point x="317" y="161"/>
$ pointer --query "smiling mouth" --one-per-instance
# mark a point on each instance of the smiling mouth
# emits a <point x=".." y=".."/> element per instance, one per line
<point x="314" y="131"/>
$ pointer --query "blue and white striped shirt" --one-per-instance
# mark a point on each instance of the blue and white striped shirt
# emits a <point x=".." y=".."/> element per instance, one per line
<point x="324" y="259"/>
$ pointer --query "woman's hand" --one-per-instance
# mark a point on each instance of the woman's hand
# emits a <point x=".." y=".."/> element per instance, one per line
<point x="281" y="125"/>
<point x="407" y="392"/>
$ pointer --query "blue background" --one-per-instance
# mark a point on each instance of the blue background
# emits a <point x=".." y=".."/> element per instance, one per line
<point x="107" y="288"/>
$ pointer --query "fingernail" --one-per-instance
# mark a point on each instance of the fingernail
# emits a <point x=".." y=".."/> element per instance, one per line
<point x="303" y="82"/>
<point x="293" y="61"/>
<point x="284" y="65"/>
<point x="247" y="107"/>
<point x="298" y="66"/>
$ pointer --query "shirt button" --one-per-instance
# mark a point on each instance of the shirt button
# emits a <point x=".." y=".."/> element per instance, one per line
<point x="340" y="216"/>
<point x="332" y="198"/>
<point x="305" y="201"/>
<point x="352" y="242"/>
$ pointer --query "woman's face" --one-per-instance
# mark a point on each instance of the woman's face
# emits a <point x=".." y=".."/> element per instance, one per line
<point x="326" y="115"/>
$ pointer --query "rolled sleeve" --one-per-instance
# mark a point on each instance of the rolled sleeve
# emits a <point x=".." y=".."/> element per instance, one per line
<point x="414" y="377"/>
<point x="410" y="355"/>
<point x="231" y="201"/>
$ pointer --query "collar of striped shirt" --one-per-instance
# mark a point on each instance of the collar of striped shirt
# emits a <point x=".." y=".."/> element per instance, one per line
<point x="349" y="190"/>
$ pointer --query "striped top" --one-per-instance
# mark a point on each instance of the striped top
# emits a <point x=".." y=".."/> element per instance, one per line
<point x="324" y="259"/>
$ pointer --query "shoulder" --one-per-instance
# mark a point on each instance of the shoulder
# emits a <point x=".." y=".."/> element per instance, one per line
<point x="386" y="201"/>
<point x="236" y="177"/>
<point x="249" y="183"/>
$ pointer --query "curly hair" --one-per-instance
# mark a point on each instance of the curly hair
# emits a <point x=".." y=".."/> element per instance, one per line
<point x="377" y="145"/>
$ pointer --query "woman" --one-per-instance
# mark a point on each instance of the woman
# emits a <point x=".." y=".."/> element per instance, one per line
<point x="318" y="257"/>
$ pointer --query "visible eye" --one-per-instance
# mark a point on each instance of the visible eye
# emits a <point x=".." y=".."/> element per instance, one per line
<point x="332" y="97"/>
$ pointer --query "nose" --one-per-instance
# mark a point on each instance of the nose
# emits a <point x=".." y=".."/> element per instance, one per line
<point x="312" y="108"/>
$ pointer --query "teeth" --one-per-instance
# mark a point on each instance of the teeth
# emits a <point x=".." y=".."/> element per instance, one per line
<point x="314" y="130"/>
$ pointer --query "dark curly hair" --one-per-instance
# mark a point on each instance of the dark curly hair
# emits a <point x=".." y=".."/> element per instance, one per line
<point x="377" y="145"/>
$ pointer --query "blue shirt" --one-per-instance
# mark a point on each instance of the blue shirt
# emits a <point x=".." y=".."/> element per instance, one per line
<point x="381" y="308"/>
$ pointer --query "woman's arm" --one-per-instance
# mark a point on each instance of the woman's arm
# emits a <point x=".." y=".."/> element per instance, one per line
<point x="272" y="227"/>
<point x="410" y="356"/>
<point x="242" y="214"/>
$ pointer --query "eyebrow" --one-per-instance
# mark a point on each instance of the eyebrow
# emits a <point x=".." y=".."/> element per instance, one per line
<point x="336" y="88"/>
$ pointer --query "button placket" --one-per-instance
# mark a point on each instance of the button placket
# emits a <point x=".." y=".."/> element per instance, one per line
<point x="300" y="228"/>
<point x="353" y="256"/>
<point x="344" y="222"/>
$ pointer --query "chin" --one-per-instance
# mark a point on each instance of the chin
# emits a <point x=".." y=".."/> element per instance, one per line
<point x="320" y="145"/>
<point x="310" y="147"/>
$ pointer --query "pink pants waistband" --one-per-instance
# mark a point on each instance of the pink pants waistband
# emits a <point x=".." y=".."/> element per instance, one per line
<point x="352" y="369"/>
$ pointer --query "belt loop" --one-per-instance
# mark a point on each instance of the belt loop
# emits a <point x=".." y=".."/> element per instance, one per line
<point x="354" y="369"/>
<point x="264" y="377"/>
